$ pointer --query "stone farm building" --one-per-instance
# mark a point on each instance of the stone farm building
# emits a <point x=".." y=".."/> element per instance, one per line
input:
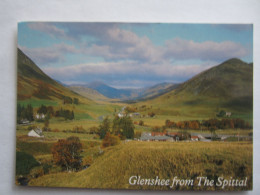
<point x="228" y="114"/>
<point x="194" y="138"/>
<point x="136" y="114"/>
<point x="161" y="136"/>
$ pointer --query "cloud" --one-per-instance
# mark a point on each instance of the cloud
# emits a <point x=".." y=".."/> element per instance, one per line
<point x="208" y="50"/>
<point x="114" y="43"/>
<point x="47" y="28"/>
<point x="47" y="55"/>
<point x="129" y="58"/>
<point x="125" y="73"/>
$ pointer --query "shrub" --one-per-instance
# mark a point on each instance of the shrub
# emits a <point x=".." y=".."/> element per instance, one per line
<point x="110" y="140"/>
<point x="24" y="163"/>
<point x="66" y="153"/>
<point x="156" y="129"/>
<point x="141" y="123"/>
<point x="37" y="172"/>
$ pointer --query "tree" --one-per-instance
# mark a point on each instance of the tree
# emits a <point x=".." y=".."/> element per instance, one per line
<point x="141" y="123"/>
<point x="104" y="127"/>
<point x="151" y="114"/>
<point x="123" y="127"/>
<point x="24" y="163"/>
<point x="127" y="127"/>
<point x="156" y="129"/>
<point x="110" y="140"/>
<point x="75" y="101"/>
<point x="67" y="100"/>
<point x="221" y="113"/>
<point x="116" y="126"/>
<point x="42" y="110"/>
<point x="93" y="130"/>
<point x="46" y="124"/>
<point x="24" y="112"/>
<point x="66" y="153"/>
<point x="50" y="111"/>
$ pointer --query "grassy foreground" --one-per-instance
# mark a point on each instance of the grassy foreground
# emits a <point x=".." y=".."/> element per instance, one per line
<point x="166" y="160"/>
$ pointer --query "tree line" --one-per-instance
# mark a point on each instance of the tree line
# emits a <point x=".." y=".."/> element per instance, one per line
<point x="69" y="100"/>
<point x="122" y="127"/>
<point x="24" y="112"/>
<point x="211" y="124"/>
<point x="66" y="114"/>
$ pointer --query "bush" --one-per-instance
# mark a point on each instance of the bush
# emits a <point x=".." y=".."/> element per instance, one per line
<point x="156" y="129"/>
<point x="66" y="153"/>
<point x="37" y="172"/>
<point x="110" y="140"/>
<point x="93" y="130"/>
<point x="24" y="163"/>
<point x="141" y="123"/>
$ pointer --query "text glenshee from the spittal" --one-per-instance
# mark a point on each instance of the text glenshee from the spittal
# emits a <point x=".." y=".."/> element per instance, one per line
<point x="201" y="181"/>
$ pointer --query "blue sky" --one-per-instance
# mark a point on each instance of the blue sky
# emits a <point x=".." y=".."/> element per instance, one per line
<point x="126" y="55"/>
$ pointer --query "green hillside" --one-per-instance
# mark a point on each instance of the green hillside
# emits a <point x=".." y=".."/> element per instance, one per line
<point x="156" y="90"/>
<point x="231" y="79"/>
<point x="228" y="86"/>
<point x="89" y="93"/>
<point x="163" y="159"/>
<point x="33" y="83"/>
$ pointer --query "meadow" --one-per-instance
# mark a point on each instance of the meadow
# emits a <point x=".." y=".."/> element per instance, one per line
<point x="166" y="160"/>
<point x="111" y="167"/>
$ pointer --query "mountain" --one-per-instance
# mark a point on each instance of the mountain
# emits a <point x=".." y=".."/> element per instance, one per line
<point x="96" y="90"/>
<point x="112" y="92"/>
<point x="227" y="86"/>
<point x="232" y="78"/>
<point x="156" y="90"/>
<point x="32" y="82"/>
<point x="88" y="93"/>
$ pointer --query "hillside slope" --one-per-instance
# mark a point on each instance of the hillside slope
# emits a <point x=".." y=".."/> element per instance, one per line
<point x="232" y="78"/>
<point x="32" y="82"/>
<point x="228" y="86"/>
<point x="112" y="92"/>
<point x="88" y="93"/>
<point x="123" y="94"/>
<point x="163" y="159"/>
<point x="156" y="90"/>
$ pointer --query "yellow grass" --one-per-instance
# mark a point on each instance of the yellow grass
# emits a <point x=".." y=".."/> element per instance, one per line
<point x="163" y="159"/>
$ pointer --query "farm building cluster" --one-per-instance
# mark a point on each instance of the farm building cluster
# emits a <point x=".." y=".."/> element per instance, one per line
<point x="168" y="136"/>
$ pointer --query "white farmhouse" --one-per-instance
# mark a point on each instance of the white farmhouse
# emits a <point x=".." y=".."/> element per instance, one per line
<point x="39" y="116"/>
<point x="228" y="114"/>
<point x="120" y="115"/>
<point x="36" y="133"/>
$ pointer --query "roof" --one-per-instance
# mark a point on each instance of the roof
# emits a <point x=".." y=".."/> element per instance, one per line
<point x="158" y="134"/>
<point x="35" y="133"/>
<point x="172" y="133"/>
<point x="38" y="131"/>
<point x="149" y="137"/>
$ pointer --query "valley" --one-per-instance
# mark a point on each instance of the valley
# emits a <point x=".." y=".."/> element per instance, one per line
<point x="218" y="101"/>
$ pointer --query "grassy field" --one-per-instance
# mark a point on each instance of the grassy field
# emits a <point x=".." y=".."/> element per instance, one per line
<point x="163" y="159"/>
<point x="186" y="107"/>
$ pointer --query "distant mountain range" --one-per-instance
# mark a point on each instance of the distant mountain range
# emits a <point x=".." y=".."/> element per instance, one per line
<point x="228" y="85"/>
<point x="95" y="90"/>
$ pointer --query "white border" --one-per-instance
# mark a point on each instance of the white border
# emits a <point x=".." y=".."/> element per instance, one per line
<point x="180" y="11"/>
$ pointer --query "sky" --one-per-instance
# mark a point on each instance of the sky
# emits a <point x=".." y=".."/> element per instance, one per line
<point x="132" y="55"/>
